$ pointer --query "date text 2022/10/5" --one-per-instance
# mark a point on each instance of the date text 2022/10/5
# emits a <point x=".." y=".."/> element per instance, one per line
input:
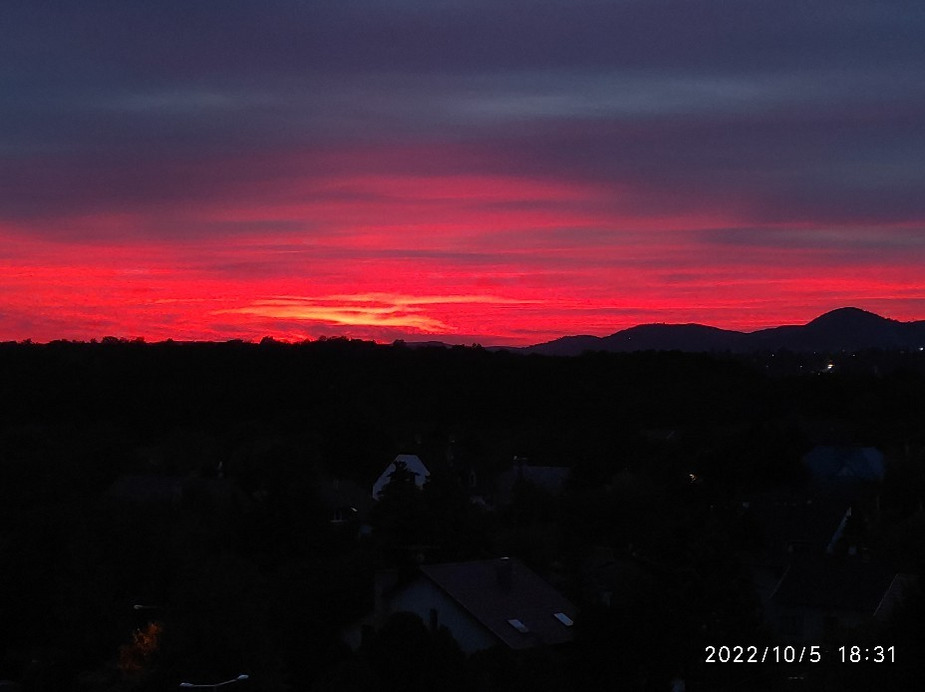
<point x="803" y="653"/>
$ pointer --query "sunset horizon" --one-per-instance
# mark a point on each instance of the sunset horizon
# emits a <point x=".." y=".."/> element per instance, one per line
<point x="449" y="339"/>
<point x="468" y="172"/>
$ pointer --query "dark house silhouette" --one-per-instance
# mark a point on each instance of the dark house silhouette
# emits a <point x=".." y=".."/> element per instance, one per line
<point x="482" y="604"/>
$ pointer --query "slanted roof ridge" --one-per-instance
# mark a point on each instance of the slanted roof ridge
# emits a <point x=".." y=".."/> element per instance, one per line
<point x="483" y="598"/>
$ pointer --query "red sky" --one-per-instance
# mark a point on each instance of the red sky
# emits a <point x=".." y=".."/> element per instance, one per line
<point x="322" y="180"/>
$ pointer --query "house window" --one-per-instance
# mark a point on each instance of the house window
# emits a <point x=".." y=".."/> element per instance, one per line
<point x="518" y="625"/>
<point x="564" y="619"/>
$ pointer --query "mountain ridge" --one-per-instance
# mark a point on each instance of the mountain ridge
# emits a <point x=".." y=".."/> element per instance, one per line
<point x="841" y="329"/>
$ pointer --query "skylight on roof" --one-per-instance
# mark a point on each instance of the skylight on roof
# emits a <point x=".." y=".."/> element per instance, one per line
<point x="564" y="619"/>
<point x="518" y="625"/>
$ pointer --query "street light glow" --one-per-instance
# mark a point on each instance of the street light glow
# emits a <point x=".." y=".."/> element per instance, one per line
<point x="216" y="684"/>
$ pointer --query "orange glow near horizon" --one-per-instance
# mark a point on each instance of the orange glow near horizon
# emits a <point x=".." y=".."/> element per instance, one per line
<point x="462" y="258"/>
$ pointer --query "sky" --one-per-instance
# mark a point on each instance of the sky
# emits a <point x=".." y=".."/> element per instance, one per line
<point x="472" y="171"/>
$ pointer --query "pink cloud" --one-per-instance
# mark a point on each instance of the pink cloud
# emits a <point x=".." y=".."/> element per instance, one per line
<point x="493" y="258"/>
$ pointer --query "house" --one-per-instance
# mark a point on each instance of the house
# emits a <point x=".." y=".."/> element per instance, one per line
<point x="792" y="522"/>
<point x="840" y="464"/>
<point x="820" y="598"/>
<point x="794" y="528"/>
<point x="411" y="463"/>
<point x="902" y="587"/>
<point x="483" y="604"/>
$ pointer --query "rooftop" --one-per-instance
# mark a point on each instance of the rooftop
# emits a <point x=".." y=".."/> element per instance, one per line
<point x="507" y="598"/>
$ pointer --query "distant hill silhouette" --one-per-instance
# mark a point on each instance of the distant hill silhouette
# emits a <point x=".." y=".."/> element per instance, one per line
<point x="844" y="329"/>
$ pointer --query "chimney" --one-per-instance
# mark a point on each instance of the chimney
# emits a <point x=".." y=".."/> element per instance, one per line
<point x="504" y="570"/>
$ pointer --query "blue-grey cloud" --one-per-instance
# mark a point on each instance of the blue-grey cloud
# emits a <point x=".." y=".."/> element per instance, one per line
<point x="809" y="109"/>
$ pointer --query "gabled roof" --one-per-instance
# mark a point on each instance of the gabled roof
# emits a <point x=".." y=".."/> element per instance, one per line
<point x="412" y="462"/>
<point x="834" y="464"/>
<point x="508" y="599"/>
<point x="902" y="586"/>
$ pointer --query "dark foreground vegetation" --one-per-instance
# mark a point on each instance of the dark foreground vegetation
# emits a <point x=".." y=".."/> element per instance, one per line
<point x="107" y="586"/>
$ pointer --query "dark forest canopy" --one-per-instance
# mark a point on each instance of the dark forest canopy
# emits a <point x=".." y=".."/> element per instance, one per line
<point x="214" y="383"/>
<point x="364" y="401"/>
